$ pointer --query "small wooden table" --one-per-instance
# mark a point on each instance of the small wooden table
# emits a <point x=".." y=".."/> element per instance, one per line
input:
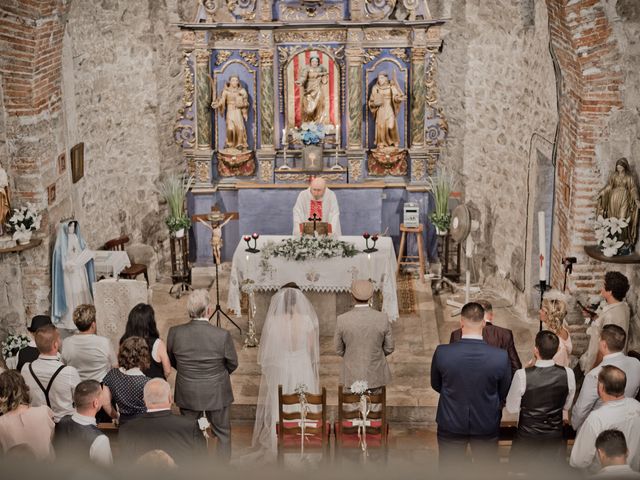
<point x="417" y="231"/>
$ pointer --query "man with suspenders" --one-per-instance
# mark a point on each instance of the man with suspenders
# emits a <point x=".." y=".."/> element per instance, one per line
<point x="50" y="382"/>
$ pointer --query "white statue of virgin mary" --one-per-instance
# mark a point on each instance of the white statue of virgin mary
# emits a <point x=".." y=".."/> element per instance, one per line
<point x="71" y="275"/>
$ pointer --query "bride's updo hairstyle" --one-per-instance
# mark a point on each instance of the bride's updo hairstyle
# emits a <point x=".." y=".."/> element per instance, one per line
<point x="555" y="306"/>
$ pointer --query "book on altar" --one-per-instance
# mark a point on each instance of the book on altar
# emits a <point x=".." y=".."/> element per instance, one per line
<point x="83" y="257"/>
<point x="323" y="228"/>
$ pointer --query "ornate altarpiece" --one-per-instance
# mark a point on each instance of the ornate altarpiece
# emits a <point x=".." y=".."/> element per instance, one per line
<point x="273" y="48"/>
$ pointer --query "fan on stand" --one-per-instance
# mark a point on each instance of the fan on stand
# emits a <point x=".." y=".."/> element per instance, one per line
<point x="461" y="227"/>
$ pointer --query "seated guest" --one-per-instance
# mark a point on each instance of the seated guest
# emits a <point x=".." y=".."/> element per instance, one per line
<point x="142" y="323"/>
<point x="612" y="342"/>
<point x="553" y="313"/>
<point x="494" y="335"/>
<point x="473" y="380"/>
<point x="363" y="337"/>
<point x="177" y="435"/>
<point x="50" y="381"/>
<point x="123" y="387"/>
<point x="77" y="435"/>
<point x="91" y="354"/>
<point x="30" y="352"/>
<point x="612" y="454"/>
<point x="22" y="425"/>
<point x="541" y="394"/>
<point x="616" y="412"/>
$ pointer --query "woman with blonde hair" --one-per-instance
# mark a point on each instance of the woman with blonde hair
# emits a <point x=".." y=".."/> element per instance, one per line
<point x="553" y="313"/>
<point x="23" y="428"/>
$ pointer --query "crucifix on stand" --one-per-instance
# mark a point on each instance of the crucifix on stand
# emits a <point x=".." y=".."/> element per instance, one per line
<point x="217" y="220"/>
<point x="315" y="219"/>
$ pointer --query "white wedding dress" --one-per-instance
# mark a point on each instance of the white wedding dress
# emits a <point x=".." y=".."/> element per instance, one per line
<point x="289" y="356"/>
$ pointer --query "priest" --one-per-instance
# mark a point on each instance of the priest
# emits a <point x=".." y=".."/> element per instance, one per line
<point x="320" y="200"/>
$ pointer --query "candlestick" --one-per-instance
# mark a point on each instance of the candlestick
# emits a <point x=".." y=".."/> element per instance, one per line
<point x="285" y="143"/>
<point x="541" y="247"/>
<point x="336" y="165"/>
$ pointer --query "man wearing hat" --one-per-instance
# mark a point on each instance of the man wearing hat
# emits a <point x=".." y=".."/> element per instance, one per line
<point x="363" y="337"/>
<point x="30" y="352"/>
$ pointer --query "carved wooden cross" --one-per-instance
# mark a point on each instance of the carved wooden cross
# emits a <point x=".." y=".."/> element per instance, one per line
<point x="315" y="219"/>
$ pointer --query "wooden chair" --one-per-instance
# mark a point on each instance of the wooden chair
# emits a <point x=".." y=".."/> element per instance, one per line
<point x="132" y="272"/>
<point x="289" y="428"/>
<point x="346" y="428"/>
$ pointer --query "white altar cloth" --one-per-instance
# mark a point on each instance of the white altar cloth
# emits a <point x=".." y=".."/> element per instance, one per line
<point x="249" y="272"/>
<point x="110" y="262"/>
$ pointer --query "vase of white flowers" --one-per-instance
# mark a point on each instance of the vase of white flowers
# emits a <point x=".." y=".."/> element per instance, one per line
<point x="24" y="221"/>
<point x="607" y="231"/>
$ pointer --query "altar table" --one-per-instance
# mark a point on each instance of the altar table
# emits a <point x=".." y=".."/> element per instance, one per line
<point x="250" y="272"/>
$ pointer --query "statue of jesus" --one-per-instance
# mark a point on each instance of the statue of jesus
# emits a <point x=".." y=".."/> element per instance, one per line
<point x="318" y="200"/>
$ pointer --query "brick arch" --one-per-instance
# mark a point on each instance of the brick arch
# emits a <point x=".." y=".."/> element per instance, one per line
<point x="590" y="89"/>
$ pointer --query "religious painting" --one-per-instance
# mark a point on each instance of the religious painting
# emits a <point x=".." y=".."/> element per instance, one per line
<point x="51" y="193"/>
<point x="62" y="163"/>
<point x="77" y="162"/>
<point x="312" y="89"/>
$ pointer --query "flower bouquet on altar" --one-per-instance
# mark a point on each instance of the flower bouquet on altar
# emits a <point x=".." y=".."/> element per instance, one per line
<point x="309" y="133"/>
<point x="24" y="221"/>
<point x="361" y="387"/>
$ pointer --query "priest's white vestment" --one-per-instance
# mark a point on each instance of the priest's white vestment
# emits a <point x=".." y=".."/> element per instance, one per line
<point x="330" y="211"/>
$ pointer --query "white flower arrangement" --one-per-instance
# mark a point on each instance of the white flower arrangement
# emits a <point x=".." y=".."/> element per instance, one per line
<point x="359" y="387"/>
<point x="305" y="248"/>
<point x="606" y="230"/>
<point x="25" y="219"/>
<point x="13" y="344"/>
<point x="301" y="389"/>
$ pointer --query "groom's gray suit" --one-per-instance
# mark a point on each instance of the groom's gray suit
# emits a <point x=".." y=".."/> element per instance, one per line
<point x="204" y="355"/>
<point x="363" y="337"/>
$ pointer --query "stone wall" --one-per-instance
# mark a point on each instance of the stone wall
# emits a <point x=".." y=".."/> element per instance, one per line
<point x="497" y="87"/>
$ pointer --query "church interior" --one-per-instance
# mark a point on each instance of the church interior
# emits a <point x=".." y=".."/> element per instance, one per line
<point x="473" y="149"/>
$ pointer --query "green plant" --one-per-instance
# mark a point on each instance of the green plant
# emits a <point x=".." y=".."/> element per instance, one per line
<point x="174" y="189"/>
<point x="441" y="186"/>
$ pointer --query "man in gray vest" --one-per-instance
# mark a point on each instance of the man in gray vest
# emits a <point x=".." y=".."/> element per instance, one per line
<point x="204" y="356"/>
<point x="363" y="337"/>
<point x="77" y="435"/>
<point x="542" y="394"/>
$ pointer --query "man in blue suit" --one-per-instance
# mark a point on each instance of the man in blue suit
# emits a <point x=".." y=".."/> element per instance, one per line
<point x="473" y="380"/>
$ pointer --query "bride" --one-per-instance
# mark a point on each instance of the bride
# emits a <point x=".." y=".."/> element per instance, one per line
<point x="289" y="356"/>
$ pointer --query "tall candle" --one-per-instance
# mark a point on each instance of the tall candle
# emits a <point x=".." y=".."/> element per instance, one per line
<point x="284" y="145"/>
<point x="337" y="136"/>
<point x="542" y="247"/>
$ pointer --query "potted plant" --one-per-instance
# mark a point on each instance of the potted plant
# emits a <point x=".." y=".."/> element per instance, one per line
<point x="174" y="190"/>
<point x="312" y="136"/>
<point x="24" y="221"/>
<point x="441" y="185"/>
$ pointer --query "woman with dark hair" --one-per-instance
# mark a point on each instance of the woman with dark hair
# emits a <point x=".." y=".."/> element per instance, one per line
<point x="124" y="386"/>
<point x="22" y="427"/>
<point x="142" y="323"/>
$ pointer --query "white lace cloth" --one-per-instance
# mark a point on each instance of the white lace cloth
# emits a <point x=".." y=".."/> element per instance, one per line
<point x="109" y="263"/>
<point x="248" y="272"/>
<point x="114" y="299"/>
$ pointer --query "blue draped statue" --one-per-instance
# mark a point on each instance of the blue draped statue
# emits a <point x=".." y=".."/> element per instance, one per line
<point x="71" y="275"/>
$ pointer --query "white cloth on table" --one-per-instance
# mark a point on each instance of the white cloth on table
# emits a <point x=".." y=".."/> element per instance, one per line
<point x="289" y="355"/>
<point x="109" y="263"/>
<point x="249" y="272"/>
<point x="589" y="400"/>
<point x="623" y="415"/>
<point x="330" y="211"/>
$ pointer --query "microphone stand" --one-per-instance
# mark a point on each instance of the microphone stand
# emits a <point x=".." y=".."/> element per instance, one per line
<point x="218" y="310"/>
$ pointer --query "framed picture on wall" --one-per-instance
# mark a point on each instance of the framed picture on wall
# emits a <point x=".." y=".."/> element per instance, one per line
<point x="62" y="162"/>
<point x="51" y="193"/>
<point x="77" y="162"/>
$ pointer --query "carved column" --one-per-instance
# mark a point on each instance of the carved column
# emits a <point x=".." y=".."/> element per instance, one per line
<point x="200" y="162"/>
<point x="417" y="150"/>
<point x="266" y="153"/>
<point x="355" y="98"/>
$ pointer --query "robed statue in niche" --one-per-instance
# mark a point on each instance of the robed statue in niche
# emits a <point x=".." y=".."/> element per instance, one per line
<point x="620" y="199"/>
<point x="234" y="106"/>
<point x="384" y="103"/>
<point x="312" y="80"/>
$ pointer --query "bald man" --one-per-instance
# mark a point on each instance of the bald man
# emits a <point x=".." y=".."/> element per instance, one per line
<point x="320" y="200"/>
